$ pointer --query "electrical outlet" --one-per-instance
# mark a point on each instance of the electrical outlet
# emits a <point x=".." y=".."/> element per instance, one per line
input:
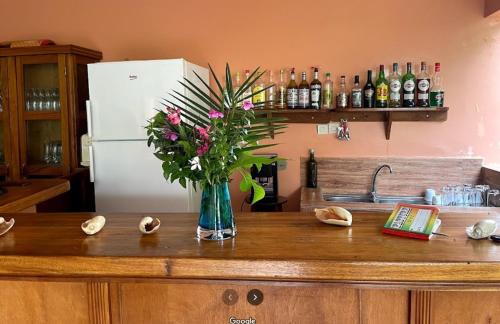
<point x="322" y="129"/>
<point x="333" y="127"/>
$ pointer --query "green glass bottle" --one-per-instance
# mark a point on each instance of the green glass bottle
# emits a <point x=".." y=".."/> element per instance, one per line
<point x="408" y="82"/>
<point x="382" y="89"/>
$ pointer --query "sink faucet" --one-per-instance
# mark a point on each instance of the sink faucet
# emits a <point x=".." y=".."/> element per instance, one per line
<point x="374" y="188"/>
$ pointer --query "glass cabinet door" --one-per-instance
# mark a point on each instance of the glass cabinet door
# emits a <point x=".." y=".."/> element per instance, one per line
<point x="4" y="121"/>
<point x="43" y="148"/>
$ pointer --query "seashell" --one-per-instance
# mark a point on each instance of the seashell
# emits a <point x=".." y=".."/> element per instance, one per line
<point x="5" y="226"/>
<point x="481" y="229"/>
<point x="93" y="225"/>
<point x="149" y="225"/>
<point x="334" y="216"/>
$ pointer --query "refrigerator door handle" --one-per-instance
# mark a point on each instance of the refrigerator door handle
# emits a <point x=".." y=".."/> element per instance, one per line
<point x="88" y="107"/>
<point x="91" y="164"/>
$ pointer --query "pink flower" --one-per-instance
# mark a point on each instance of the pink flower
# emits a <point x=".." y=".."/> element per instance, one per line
<point x="174" y="116"/>
<point x="247" y="105"/>
<point x="170" y="135"/>
<point x="201" y="150"/>
<point x="203" y="132"/>
<point x="214" y="114"/>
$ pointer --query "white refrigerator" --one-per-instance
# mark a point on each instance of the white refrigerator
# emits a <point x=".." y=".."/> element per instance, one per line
<point x="123" y="96"/>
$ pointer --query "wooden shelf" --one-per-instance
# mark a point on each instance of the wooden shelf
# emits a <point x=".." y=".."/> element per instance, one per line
<point x="42" y="115"/>
<point x="386" y="115"/>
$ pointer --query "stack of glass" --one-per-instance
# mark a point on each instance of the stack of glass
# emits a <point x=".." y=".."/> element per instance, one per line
<point x="37" y="99"/>
<point x="464" y="195"/>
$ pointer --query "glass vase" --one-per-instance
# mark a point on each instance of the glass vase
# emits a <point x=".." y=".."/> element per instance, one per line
<point x="216" y="214"/>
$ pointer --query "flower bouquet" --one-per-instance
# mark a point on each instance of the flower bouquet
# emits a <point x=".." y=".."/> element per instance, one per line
<point x="203" y="141"/>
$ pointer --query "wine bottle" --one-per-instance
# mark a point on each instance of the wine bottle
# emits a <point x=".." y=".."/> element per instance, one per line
<point x="395" y="87"/>
<point x="437" y="91"/>
<point x="382" y="86"/>
<point x="423" y="86"/>
<point x="281" y="91"/>
<point x="304" y="92"/>
<point x="327" y="92"/>
<point x="342" y="96"/>
<point x="259" y="96"/>
<point x="408" y="87"/>
<point x="312" y="171"/>
<point x="369" y="92"/>
<point x="270" y="92"/>
<point x="237" y="87"/>
<point x="315" y="91"/>
<point x="247" y="95"/>
<point x="292" y="92"/>
<point x="356" y="94"/>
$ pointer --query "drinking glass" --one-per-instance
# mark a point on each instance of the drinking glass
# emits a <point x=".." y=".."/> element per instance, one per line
<point x="56" y="152"/>
<point x="28" y="99"/>
<point x="48" y="99"/>
<point x="57" y="100"/>
<point x="35" y="99"/>
<point x="47" y="152"/>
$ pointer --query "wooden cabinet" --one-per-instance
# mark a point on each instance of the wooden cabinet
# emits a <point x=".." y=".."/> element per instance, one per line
<point x="192" y="301"/>
<point x="43" y="92"/>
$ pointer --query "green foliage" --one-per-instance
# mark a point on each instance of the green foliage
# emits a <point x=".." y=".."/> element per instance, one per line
<point x="203" y="149"/>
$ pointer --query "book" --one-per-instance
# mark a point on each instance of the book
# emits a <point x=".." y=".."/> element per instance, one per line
<point x="415" y="221"/>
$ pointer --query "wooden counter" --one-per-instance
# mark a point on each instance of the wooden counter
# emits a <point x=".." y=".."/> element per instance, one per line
<point x="22" y="197"/>
<point x="308" y="271"/>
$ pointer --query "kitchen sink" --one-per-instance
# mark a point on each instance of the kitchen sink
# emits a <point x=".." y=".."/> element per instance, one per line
<point x="380" y="199"/>
<point x="347" y="198"/>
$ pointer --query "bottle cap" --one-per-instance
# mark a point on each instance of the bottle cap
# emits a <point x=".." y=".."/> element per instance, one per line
<point x="328" y="74"/>
<point x="356" y="79"/>
<point x="381" y="67"/>
<point x="311" y="151"/>
<point x="437" y="67"/>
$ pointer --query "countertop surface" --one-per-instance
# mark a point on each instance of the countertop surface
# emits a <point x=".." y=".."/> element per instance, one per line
<point x="19" y="197"/>
<point x="269" y="246"/>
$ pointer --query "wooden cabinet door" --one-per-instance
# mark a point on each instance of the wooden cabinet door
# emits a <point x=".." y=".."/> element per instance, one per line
<point x="37" y="302"/>
<point x="5" y="133"/>
<point x="281" y="303"/>
<point x="43" y="115"/>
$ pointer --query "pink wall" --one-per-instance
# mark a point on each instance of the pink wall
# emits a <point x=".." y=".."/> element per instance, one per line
<point x="344" y="37"/>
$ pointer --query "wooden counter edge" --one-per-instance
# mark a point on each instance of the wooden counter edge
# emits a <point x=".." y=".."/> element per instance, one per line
<point x="35" y="198"/>
<point x="240" y="269"/>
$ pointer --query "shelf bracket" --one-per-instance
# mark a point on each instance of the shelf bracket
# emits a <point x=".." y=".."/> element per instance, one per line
<point x="388" y="125"/>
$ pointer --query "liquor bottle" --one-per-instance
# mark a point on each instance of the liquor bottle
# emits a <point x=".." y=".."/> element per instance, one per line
<point x="315" y="93"/>
<point x="382" y="86"/>
<point x="271" y="92"/>
<point x="423" y="86"/>
<point x="247" y="95"/>
<point x="356" y="94"/>
<point x="369" y="92"/>
<point x="437" y="91"/>
<point x="342" y="96"/>
<point x="304" y="92"/>
<point x="281" y="91"/>
<point x="292" y="92"/>
<point x="237" y="87"/>
<point x="259" y="96"/>
<point x="408" y="87"/>
<point x="312" y="171"/>
<point x="327" y="92"/>
<point x="395" y="87"/>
